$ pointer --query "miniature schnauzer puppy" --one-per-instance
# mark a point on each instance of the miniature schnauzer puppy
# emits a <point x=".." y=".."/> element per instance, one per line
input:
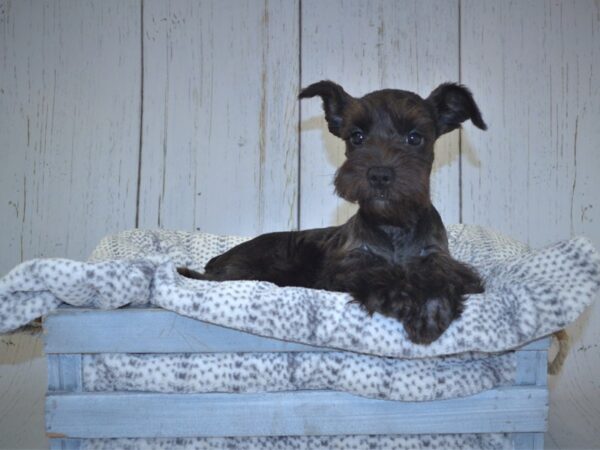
<point x="392" y="255"/>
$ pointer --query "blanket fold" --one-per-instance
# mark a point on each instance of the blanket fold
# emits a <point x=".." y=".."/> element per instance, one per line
<point x="408" y="442"/>
<point x="368" y="376"/>
<point x="529" y="294"/>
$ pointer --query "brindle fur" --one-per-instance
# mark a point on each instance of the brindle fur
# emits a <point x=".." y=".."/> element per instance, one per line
<point x="392" y="256"/>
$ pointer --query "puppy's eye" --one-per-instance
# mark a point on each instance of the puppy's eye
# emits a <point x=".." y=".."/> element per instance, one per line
<point x="414" y="138"/>
<point x="357" y="138"/>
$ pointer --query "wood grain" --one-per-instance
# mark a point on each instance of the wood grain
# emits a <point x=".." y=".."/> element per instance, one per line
<point x="534" y="174"/>
<point x="65" y="373"/>
<point x="73" y="93"/>
<point x="154" y="330"/>
<point x="365" y="46"/>
<point x="220" y="116"/>
<point x="536" y="65"/>
<point x="69" y="125"/>
<point x="69" y="121"/>
<point x="22" y="389"/>
<point x="516" y="409"/>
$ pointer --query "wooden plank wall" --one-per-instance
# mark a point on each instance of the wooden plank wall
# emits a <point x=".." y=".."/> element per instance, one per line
<point x="183" y="114"/>
<point x="219" y="131"/>
<point x="69" y="121"/>
<point x="535" y="174"/>
<point x="366" y="46"/>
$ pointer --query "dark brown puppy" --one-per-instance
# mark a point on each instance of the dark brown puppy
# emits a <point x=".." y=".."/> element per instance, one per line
<point x="392" y="256"/>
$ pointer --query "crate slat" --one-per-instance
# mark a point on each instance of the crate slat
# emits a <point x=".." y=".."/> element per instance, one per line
<point x="528" y="441"/>
<point x="65" y="444"/>
<point x="531" y="367"/>
<point x="154" y="330"/>
<point x="514" y="409"/>
<point x="64" y="373"/>
<point x="150" y="330"/>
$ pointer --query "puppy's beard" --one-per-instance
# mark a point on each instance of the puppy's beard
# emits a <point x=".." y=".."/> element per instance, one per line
<point x="379" y="208"/>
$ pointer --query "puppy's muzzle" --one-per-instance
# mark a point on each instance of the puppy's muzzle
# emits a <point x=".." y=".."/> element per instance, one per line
<point x="380" y="177"/>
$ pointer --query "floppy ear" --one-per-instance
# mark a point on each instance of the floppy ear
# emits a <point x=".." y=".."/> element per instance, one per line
<point x="454" y="104"/>
<point x="335" y="100"/>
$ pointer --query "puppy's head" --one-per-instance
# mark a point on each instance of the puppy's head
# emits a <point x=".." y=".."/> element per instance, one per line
<point x="389" y="137"/>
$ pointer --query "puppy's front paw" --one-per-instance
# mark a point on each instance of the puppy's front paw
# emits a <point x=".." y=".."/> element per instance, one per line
<point x="392" y="301"/>
<point x="430" y="319"/>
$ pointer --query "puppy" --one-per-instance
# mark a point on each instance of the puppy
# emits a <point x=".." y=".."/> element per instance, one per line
<point x="392" y="255"/>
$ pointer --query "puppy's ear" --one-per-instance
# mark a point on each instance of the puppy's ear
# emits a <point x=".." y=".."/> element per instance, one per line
<point x="454" y="104"/>
<point x="335" y="99"/>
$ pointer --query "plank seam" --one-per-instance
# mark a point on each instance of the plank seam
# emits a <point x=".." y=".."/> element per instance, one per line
<point x="299" y="181"/>
<point x="141" y="124"/>
<point x="460" y="131"/>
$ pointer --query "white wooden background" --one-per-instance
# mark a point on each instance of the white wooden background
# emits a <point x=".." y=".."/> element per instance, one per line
<point x="183" y="114"/>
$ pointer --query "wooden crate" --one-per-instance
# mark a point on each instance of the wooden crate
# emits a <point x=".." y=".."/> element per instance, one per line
<point x="73" y="415"/>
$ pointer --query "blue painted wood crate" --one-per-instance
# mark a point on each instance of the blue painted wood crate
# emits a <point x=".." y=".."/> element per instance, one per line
<point x="73" y="415"/>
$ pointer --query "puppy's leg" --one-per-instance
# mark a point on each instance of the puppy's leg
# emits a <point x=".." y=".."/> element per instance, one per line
<point x="443" y="283"/>
<point x="265" y="257"/>
<point x="426" y="294"/>
<point x="285" y="258"/>
<point x="189" y="273"/>
<point x="376" y="285"/>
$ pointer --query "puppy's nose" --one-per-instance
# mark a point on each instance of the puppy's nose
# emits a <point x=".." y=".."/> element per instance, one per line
<point x="380" y="177"/>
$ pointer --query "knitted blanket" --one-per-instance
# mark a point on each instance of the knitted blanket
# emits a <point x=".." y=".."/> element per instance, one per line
<point x="396" y="442"/>
<point x="529" y="294"/>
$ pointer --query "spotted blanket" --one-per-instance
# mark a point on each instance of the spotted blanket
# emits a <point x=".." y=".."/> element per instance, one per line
<point x="529" y="294"/>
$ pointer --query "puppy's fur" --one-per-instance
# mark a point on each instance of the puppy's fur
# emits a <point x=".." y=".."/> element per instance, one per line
<point x="392" y="256"/>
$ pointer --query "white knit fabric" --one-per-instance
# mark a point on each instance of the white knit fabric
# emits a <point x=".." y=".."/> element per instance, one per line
<point x="529" y="294"/>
